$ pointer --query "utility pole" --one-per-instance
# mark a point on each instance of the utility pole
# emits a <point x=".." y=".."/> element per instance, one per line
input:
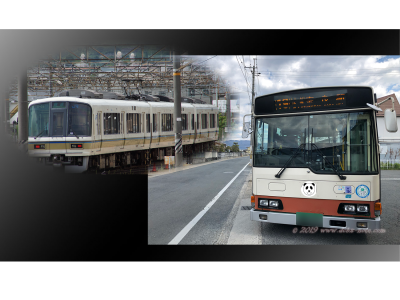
<point x="252" y="84"/>
<point x="177" y="110"/>
<point x="252" y="87"/>
<point x="228" y="108"/>
<point x="252" y="101"/>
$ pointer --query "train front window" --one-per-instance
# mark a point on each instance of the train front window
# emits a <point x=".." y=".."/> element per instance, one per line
<point x="57" y="124"/>
<point x="325" y="142"/>
<point x="39" y="120"/>
<point x="79" y="119"/>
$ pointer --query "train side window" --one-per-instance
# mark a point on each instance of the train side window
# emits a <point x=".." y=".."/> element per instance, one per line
<point x="204" y="121"/>
<point x="129" y="123"/>
<point x="212" y="120"/>
<point x="133" y="123"/>
<point x="192" y="121"/>
<point x="116" y="124"/>
<point x="137" y="123"/>
<point x="154" y="122"/>
<point x="148" y="122"/>
<point x="184" y="121"/>
<point x="198" y="121"/>
<point x="166" y="123"/>
<point x="111" y="123"/>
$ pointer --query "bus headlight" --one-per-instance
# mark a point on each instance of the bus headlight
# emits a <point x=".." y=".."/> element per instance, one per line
<point x="349" y="208"/>
<point x="362" y="208"/>
<point x="270" y="203"/>
<point x="354" y="209"/>
<point x="273" y="203"/>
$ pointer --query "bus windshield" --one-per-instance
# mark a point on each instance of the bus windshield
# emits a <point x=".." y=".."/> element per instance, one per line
<point x="345" y="140"/>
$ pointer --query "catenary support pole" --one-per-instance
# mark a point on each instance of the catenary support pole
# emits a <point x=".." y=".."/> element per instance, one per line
<point x="6" y="114"/>
<point x="22" y="107"/>
<point x="177" y="111"/>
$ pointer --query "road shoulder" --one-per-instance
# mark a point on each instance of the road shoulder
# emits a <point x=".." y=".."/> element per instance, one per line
<point x="244" y="231"/>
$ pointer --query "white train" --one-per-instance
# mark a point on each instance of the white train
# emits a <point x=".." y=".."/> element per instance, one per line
<point x="85" y="132"/>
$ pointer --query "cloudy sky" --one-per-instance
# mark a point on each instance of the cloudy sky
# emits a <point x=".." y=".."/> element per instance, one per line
<point x="281" y="73"/>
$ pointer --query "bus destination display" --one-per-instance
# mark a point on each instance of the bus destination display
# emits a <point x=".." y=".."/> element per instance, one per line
<point x="284" y="103"/>
<point x="314" y="99"/>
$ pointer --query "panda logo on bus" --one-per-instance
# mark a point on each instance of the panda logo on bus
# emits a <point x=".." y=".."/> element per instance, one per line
<point x="309" y="189"/>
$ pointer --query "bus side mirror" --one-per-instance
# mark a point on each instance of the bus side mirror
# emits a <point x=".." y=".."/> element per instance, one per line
<point x="246" y="130"/>
<point x="390" y="120"/>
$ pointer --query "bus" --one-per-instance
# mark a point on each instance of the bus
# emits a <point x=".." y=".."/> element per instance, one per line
<point x="315" y="157"/>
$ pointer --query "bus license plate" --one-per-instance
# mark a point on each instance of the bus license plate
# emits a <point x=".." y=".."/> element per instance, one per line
<point x="308" y="219"/>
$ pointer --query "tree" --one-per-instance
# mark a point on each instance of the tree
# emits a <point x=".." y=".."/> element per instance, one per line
<point x="222" y="148"/>
<point x="228" y="149"/>
<point x="235" y="147"/>
<point x="221" y="125"/>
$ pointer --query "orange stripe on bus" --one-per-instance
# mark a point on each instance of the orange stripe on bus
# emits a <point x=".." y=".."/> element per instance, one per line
<point x="316" y="206"/>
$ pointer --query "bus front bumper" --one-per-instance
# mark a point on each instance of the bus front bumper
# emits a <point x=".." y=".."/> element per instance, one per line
<point x="326" y="222"/>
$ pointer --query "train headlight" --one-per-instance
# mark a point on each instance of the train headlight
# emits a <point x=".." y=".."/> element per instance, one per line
<point x="349" y="208"/>
<point x="362" y="208"/>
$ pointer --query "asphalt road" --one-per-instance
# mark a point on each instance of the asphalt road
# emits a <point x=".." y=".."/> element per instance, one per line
<point x="175" y="199"/>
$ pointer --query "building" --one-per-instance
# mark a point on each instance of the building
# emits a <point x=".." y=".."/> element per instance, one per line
<point x="389" y="141"/>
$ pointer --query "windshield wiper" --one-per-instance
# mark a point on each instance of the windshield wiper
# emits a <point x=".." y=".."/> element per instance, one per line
<point x="74" y="134"/>
<point x="278" y="175"/>
<point x="39" y="134"/>
<point x="342" y="177"/>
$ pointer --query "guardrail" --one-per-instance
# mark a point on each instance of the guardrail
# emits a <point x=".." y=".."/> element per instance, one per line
<point x="209" y="156"/>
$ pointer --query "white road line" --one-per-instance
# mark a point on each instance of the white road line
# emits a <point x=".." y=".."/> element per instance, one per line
<point x="186" y="229"/>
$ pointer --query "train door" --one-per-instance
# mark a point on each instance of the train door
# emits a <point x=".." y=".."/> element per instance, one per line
<point x="208" y="125"/>
<point x="158" y="127"/>
<point x="122" y="129"/>
<point x="192" y="128"/>
<point x="143" y="121"/>
<point x="98" y="134"/>
<point x="197" y="128"/>
<point x="58" y="127"/>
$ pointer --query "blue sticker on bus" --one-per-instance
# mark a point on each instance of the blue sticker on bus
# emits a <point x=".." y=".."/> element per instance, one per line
<point x="348" y="196"/>
<point x="362" y="191"/>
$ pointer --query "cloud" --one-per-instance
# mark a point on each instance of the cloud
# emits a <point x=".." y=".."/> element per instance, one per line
<point x="281" y="73"/>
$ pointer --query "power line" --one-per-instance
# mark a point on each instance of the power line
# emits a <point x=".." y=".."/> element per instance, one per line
<point x="325" y="76"/>
<point x="247" y="86"/>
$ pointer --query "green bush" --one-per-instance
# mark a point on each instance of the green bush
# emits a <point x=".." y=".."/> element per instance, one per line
<point x="390" y="166"/>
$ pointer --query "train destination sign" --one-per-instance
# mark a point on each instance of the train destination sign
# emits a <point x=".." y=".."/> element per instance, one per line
<point x="314" y="99"/>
